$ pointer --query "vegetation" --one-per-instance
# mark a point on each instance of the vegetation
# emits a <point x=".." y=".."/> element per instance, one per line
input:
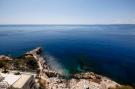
<point x="2" y="64"/>
<point x="5" y="66"/>
<point x="5" y="71"/>
<point x="17" y="73"/>
<point x="24" y="63"/>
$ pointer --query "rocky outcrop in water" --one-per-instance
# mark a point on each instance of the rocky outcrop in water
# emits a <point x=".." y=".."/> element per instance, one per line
<point x="50" y="79"/>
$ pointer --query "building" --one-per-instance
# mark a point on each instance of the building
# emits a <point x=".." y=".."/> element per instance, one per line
<point x="12" y="81"/>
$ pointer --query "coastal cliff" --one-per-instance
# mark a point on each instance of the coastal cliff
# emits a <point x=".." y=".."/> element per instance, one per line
<point x="48" y="78"/>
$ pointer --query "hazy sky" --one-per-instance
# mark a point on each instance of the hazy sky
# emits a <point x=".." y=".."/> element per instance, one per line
<point x="67" y="11"/>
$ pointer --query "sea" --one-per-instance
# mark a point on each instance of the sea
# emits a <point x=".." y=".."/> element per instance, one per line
<point x="108" y="50"/>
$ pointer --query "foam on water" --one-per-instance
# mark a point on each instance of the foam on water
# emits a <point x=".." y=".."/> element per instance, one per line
<point x="106" y="47"/>
<point x="54" y="64"/>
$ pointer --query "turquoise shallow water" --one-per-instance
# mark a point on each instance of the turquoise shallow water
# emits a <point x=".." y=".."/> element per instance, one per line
<point x="105" y="49"/>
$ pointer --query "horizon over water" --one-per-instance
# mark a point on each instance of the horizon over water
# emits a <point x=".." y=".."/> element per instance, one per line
<point x="105" y="49"/>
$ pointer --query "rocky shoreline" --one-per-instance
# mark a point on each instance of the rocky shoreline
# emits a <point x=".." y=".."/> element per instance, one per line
<point x="50" y="79"/>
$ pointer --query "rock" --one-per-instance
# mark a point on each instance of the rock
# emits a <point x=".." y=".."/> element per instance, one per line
<point x="49" y="79"/>
<point x="88" y="75"/>
<point x="37" y="51"/>
<point x="5" y="58"/>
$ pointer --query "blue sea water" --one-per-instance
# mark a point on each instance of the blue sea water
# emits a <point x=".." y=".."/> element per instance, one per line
<point x="105" y="49"/>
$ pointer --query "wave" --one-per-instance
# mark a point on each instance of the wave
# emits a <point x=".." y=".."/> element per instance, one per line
<point x="54" y="64"/>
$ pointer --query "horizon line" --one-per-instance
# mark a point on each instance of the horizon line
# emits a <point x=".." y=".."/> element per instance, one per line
<point x="72" y="24"/>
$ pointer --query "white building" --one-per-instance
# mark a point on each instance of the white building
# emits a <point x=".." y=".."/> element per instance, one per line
<point x="22" y="81"/>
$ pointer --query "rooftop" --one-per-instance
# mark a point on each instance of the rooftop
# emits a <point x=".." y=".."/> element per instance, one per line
<point x="21" y="81"/>
<point x="10" y="78"/>
<point x="16" y="81"/>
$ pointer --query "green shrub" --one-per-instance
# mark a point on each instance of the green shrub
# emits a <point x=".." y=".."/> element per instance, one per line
<point x="5" y="71"/>
<point x="2" y="64"/>
<point x="17" y="73"/>
<point x="31" y="63"/>
<point x="26" y="64"/>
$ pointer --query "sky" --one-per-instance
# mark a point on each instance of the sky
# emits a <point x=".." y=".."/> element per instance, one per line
<point x="67" y="11"/>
